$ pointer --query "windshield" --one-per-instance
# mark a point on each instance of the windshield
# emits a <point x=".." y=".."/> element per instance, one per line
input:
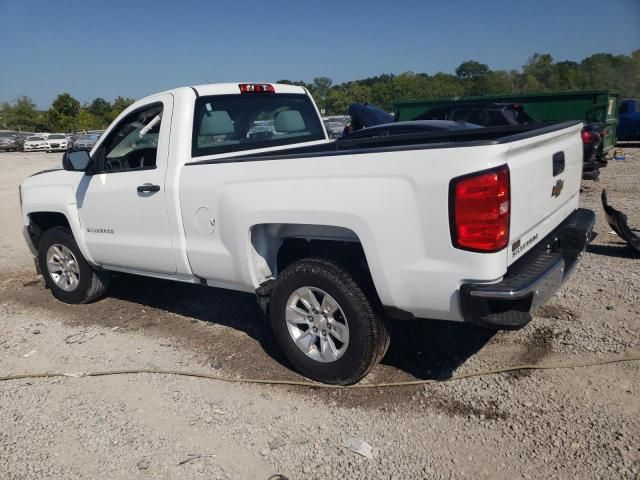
<point x="229" y="123"/>
<point x="57" y="137"/>
<point x="34" y="139"/>
<point x="88" y="137"/>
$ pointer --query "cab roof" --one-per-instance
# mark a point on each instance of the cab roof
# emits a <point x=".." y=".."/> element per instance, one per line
<point x="234" y="88"/>
<point x="230" y="89"/>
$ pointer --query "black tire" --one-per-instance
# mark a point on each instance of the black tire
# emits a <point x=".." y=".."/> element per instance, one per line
<point x="368" y="337"/>
<point x="91" y="285"/>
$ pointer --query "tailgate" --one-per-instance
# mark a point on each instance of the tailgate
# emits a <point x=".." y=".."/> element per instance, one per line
<point x="545" y="173"/>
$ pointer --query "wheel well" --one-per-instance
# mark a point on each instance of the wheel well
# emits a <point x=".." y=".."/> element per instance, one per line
<point x="40" y="222"/>
<point x="275" y="246"/>
<point x="348" y="254"/>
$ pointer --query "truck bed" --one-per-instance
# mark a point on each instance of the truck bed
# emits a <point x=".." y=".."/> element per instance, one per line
<point x="403" y="141"/>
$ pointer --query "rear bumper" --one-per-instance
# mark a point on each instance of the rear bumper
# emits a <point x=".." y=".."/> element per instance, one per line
<point x="532" y="280"/>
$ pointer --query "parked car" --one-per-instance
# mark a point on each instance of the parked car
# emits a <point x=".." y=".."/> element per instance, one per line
<point x="486" y="115"/>
<point x="95" y="132"/>
<point x="335" y="238"/>
<point x="629" y="120"/>
<point x="85" y="142"/>
<point x="57" y="142"/>
<point x="11" y="143"/>
<point x="35" y="143"/>
<point x="261" y="130"/>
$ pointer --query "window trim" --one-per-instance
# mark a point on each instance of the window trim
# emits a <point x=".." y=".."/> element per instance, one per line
<point x="111" y="134"/>
<point x="197" y="152"/>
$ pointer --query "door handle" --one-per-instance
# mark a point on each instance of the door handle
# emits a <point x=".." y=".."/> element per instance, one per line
<point x="148" y="188"/>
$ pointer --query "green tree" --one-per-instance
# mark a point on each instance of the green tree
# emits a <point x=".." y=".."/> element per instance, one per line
<point x="321" y="86"/>
<point x="66" y="105"/>
<point x="118" y="105"/>
<point x="99" y="107"/>
<point x="337" y="102"/>
<point x="568" y="75"/>
<point x="62" y="116"/>
<point x="22" y="115"/>
<point x="541" y="68"/>
<point x="472" y="70"/>
<point x="445" y="85"/>
<point x="473" y="76"/>
<point x="87" y="121"/>
<point x="531" y="84"/>
<point x="498" y="82"/>
<point x="57" y="122"/>
<point x="635" y="57"/>
<point x="409" y="85"/>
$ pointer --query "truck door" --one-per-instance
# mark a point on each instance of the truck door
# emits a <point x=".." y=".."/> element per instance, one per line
<point x="122" y="206"/>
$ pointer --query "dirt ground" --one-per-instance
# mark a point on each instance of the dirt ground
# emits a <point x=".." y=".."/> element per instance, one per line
<point x="576" y="423"/>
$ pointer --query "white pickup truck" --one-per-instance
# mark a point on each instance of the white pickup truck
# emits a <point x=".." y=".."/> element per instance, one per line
<point x="238" y="186"/>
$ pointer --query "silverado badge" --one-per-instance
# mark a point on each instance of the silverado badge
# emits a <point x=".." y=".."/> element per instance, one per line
<point x="557" y="188"/>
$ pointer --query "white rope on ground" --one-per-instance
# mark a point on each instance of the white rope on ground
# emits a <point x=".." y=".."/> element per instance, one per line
<point x="628" y="357"/>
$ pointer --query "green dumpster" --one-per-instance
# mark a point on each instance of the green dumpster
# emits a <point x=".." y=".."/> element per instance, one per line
<point x="588" y="106"/>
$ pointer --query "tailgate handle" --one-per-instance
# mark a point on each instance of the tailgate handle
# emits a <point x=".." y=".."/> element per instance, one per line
<point x="558" y="163"/>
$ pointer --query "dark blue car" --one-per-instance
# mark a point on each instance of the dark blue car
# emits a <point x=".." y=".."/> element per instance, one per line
<point x="629" y="120"/>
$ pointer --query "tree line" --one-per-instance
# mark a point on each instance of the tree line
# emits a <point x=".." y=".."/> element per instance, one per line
<point x="66" y="114"/>
<point x="541" y="73"/>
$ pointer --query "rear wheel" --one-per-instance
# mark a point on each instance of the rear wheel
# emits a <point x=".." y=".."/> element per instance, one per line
<point x="325" y="323"/>
<point x="66" y="273"/>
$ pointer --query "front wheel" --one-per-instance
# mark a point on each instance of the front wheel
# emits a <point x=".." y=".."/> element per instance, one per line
<point x="326" y="324"/>
<point x="66" y="273"/>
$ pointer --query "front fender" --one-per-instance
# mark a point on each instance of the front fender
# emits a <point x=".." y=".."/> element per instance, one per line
<point x="55" y="192"/>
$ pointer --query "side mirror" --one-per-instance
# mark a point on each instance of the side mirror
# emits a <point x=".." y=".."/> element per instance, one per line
<point x="76" y="161"/>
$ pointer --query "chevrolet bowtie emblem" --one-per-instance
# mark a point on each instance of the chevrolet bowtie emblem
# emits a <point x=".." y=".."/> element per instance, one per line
<point x="557" y="188"/>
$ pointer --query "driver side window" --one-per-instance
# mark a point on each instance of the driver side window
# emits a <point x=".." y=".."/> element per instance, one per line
<point x="133" y="144"/>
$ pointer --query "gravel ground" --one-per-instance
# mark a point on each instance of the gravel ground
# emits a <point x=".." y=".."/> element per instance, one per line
<point x="582" y="423"/>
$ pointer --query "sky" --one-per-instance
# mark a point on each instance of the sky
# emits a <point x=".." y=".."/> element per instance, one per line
<point x="133" y="48"/>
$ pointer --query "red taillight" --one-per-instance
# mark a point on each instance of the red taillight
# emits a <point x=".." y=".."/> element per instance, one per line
<point x="256" y="88"/>
<point x="481" y="211"/>
<point x="587" y="137"/>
